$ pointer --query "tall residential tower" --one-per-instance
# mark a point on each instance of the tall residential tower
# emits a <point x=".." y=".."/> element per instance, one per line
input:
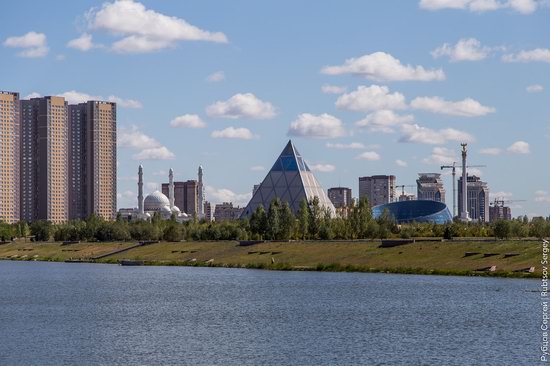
<point x="92" y="157"/>
<point x="10" y="131"/>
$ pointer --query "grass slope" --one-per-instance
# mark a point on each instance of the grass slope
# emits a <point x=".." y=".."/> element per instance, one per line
<point x="422" y="257"/>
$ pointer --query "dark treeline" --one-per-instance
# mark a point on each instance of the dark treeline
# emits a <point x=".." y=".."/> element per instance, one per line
<point x="277" y="222"/>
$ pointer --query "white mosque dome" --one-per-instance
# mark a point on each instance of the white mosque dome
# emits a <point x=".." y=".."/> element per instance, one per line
<point x="176" y="210"/>
<point x="166" y="211"/>
<point x="155" y="201"/>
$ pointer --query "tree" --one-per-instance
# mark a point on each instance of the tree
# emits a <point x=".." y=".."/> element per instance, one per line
<point x="258" y="222"/>
<point x="303" y="219"/>
<point x="273" y="220"/>
<point x="315" y="217"/>
<point x="501" y="229"/>
<point x="42" y="230"/>
<point x="287" y="221"/>
<point x="325" y="232"/>
<point x="173" y="232"/>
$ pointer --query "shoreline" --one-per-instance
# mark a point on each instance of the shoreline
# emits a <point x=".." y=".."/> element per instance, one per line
<point x="509" y="259"/>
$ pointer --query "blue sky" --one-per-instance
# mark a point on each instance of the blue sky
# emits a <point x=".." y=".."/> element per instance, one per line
<point x="362" y="88"/>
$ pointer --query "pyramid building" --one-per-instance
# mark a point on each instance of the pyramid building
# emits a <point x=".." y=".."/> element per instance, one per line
<point x="290" y="180"/>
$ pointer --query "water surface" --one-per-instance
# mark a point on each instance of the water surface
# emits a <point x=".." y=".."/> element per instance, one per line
<point x="91" y="314"/>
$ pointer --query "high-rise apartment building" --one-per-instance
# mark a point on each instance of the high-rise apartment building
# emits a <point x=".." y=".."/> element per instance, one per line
<point x="208" y="211"/>
<point x="499" y="212"/>
<point x="477" y="198"/>
<point x="340" y="197"/>
<point x="430" y="187"/>
<point x="378" y="189"/>
<point x="227" y="212"/>
<point x="44" y="159"/>
<point x="10" y="131"/>
<point x="92" y="160"/>
<point x="186" y="196"/>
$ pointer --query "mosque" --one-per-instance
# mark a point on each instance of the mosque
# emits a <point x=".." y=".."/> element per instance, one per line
<point x="157" y="202"/>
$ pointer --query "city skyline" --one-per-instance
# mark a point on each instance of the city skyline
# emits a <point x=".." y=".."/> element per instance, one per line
<point x="368" y="96"/>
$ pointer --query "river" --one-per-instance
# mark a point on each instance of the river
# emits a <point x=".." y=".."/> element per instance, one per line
<point x="100" y="314"/>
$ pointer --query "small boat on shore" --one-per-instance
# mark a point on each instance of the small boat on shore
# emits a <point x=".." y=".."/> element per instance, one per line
<point x="131" y="262"/>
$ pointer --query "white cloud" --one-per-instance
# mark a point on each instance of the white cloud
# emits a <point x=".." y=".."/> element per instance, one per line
<point x="316" y="126"/>
<point x="133" y="138"/>
<point x="368" y="155"/>
<point x="75" y="97"/>
<point x="440" y="156"/>
<point x="257" y="168"/>
<point x="33" y="43"/>
<point x="152" y="186"/>
<point x="216" y="77"/>
<point x="464" y="108"/>
<point x="381" y="66"/>
<point x="33" y="95"/>
<point x="83" y="43"/>
<point x="351" y="145"/>
<point x="233" y="133"/>
<point x="535" y="88"/>
<point x="126" y="194"/>
<point x="384" y="121"/>
<point x="219" y="195"/>
<point x="480" y="6"/>
<point x="160" y="173"/>
<point x="156" y="153"/>
<point x="500" y="195"/>
<point x="522" y="6"/>
<point x="423" y="135"/>
<point x="535" y="55"/>
<point x="372" y="98"/>
<point x="542" y="196"/>
<point x="242" y="106"/>
<point x="188" y="120"/>
<point x="322" y="168"/>
<point x="125" y="103"/>
<point x="491" y="151"/>
<point x="333" y="89"/>
<point x="145" y="30"/>
<point x="401" y="163"/>
<point x="519" y="147"/>
<point x="466" y="49"/>
<point x="60" y="57"/>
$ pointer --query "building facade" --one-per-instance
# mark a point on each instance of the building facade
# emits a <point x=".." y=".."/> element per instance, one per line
<point x="340" y="197"/>
<point x="430" y="187"/>
<point x="208" y="211"/>
<point x="186" y="196"/>
<point x="92" y="160"/>
<point x="57" y="162"/>
<point x="45" y="159"/>
<point x="378" y="189"/>
<point x="10" y="155"/>
<point x="498" y="212"/>
<point x="227" y="212"/>
<point x="477" y="198"/>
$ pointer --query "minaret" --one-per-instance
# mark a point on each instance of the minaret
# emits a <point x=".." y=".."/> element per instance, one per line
<point x="464" y="214"/>
<point x="140" y="190"/>
<point x="171" y="187"/>
<point x="201" y="194"/>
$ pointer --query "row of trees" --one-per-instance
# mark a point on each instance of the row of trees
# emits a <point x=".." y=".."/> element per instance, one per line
<point x="311" y="222"/>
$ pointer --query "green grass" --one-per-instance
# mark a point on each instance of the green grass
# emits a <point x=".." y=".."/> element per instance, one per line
<point x="442" y="258"/>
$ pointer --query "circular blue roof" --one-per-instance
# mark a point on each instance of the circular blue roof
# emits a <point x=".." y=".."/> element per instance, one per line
<point x="418" y="211"/>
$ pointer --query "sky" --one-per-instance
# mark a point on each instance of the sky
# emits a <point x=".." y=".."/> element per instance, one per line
<point x="361" y="87"/>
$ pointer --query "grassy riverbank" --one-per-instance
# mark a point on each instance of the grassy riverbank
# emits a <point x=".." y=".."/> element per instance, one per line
<point x="432" y="257"/>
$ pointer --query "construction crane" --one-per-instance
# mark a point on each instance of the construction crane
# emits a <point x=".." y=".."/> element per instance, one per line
<point x="403" y="188"/>
<point x="500" y="202"/>
<point x="453" y="167"/>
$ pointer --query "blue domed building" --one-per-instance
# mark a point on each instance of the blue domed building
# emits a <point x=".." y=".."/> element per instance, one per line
<point x="415" y="211"/>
